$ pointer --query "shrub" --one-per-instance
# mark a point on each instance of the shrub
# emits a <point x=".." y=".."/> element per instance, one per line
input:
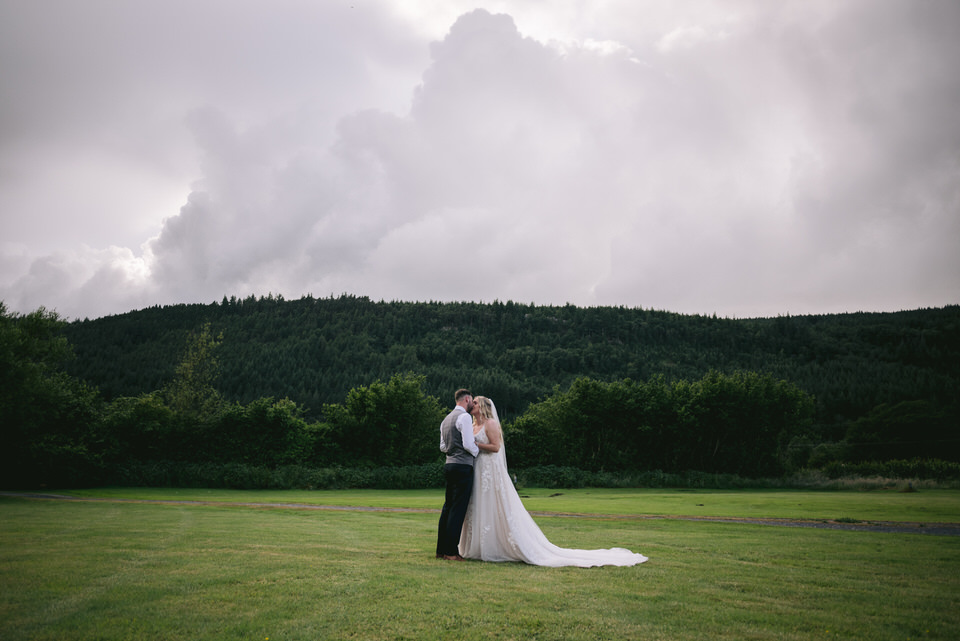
<point x="932" y="469"/>
<point x="241" y="476"/>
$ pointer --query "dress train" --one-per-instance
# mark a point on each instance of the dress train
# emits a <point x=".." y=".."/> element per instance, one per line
<point x="499" y="528"/>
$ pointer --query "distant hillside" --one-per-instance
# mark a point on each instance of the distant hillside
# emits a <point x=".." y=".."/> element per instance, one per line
<point x="315" y="350"/>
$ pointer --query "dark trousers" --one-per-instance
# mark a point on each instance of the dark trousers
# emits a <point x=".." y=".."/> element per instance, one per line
<point x="459" y="487"/>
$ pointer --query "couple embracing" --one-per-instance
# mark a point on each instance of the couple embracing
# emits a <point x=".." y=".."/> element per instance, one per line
<point x="483" y="517"/>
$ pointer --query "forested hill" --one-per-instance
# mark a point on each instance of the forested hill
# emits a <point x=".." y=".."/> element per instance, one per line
<point x="314" y="351"/>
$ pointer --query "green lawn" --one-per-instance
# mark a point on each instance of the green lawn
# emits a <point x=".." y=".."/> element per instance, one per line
<point x="136" y="570"/>
<point x="930" y="506"/>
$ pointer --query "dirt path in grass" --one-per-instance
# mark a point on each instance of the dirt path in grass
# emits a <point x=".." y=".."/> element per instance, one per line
<point x="901" y="527"/>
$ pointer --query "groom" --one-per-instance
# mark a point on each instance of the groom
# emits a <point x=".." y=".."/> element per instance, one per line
<point x="456" y="440"/>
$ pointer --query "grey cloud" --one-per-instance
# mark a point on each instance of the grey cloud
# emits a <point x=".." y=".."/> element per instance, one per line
<point x="795" y="157"/>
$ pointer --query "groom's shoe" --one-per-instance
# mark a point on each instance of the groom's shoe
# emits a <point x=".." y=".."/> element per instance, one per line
<point x="453" y="557"/>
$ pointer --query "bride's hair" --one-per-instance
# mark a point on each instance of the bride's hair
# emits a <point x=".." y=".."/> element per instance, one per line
<point x="486" y="407"/>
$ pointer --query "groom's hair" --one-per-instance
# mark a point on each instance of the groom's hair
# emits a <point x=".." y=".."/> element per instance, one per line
<point x="460" y="393"/>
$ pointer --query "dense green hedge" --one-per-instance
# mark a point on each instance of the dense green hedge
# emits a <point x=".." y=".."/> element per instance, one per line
<point x="932" y="469"/>
<point x="239" y="476"/>
<point x="430" y="476"/>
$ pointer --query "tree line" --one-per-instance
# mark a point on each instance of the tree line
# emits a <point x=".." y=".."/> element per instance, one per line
<point x="353" y="383"/>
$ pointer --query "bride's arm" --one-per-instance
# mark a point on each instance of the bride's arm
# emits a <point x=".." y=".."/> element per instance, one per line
<point x="495" y="436"/>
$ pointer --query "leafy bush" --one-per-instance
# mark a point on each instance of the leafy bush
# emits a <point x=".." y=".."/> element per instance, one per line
<point x="49" y="432"/>
<point x="384" y="424"/>
<point x="240" y="476"/>
<point x="734" y="424"/>
<point x="917" y="468"/>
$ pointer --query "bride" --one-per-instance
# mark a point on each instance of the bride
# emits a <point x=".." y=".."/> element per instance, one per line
<point x="497" y="526"/>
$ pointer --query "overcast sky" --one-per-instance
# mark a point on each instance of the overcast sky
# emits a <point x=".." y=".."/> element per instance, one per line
<point x="744" y="158"/>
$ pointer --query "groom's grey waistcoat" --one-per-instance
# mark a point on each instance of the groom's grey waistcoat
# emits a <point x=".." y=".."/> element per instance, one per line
<point x="454" y="440"/>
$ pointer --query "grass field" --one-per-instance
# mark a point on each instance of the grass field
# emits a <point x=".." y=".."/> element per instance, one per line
<point x="930" y="506"/>
<point x="128" y="569"/>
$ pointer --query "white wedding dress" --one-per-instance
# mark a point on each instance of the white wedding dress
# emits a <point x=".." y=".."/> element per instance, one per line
<point x="499" y="528"/>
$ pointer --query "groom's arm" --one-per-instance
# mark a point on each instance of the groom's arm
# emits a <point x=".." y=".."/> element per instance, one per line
<point x="465" y="425"/>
